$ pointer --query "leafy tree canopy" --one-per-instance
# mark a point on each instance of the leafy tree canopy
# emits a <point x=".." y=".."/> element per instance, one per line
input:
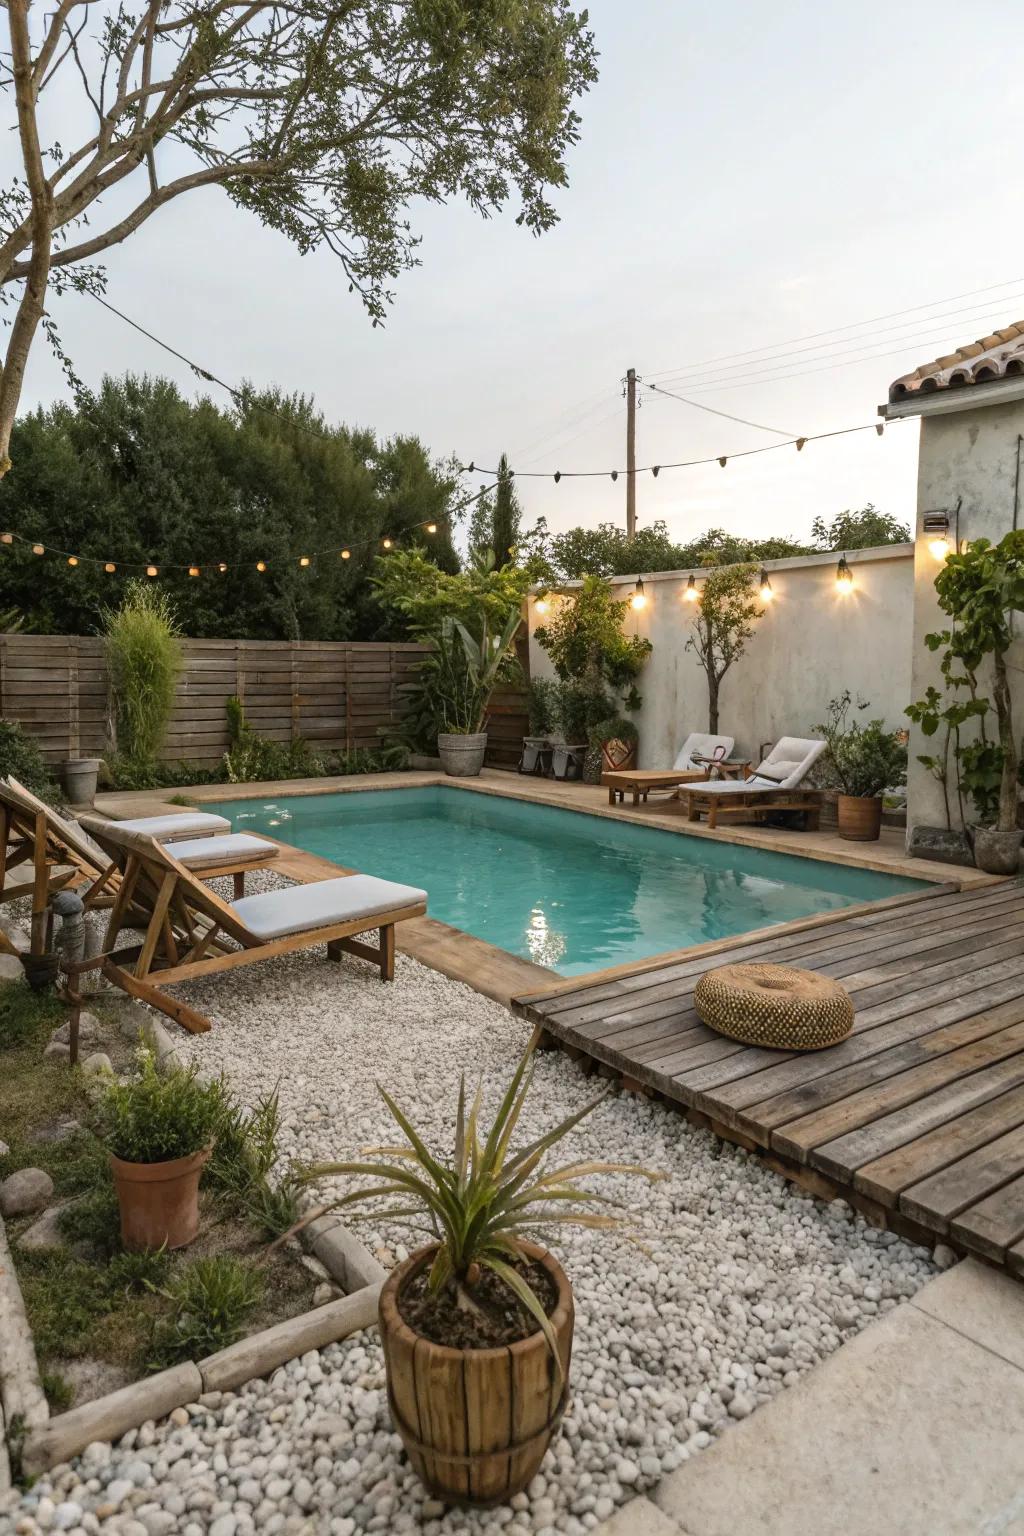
<point x="862" y="529"/>
<point x="138" y="473"/>
<point x="410" y="585"/>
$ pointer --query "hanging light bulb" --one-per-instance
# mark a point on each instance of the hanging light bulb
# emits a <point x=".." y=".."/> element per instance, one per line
<point x="386" y="543"/>
<point x="431" y="527"/>
<point x="935" y="527"/>
<point x="72" y="559"/>
<point x="261" y="565"/>
<point x="303" y="560"/>
<point x="151" y="570"/>
<point x="6" y="538"/>
<point x="639" y="598"/>
<point x="939" y="546"/>
<point x="110" y="567"/>
<point x="346" y="554"/>
<point x="193" y="570"/>
<point x="766" y="587"/>
<point x="542" y="605"/>
<point x="222" y="567"/>
<point x="690" y="592"/>
<point x="844" y="577"/>
<point x="39" y="549"/>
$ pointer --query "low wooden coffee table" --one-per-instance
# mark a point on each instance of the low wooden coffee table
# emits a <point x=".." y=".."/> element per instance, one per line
<point x="638" y="781"/>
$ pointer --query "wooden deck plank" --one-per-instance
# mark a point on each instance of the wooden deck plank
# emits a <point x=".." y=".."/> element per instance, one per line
<point x="995" y="1224"/>
<point x="799" y="1137"/>
<point x="887" y="1177"/>
<point x="937" y="1200"/>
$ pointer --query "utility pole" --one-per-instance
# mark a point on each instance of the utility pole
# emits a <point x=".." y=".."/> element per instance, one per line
<point x="630" y="452"/>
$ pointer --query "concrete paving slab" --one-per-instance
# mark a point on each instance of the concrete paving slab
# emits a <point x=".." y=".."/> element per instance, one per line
<point x="911" y="1428"/>
<point x="981" y="1303"/>
<point x="639" y="1518"/>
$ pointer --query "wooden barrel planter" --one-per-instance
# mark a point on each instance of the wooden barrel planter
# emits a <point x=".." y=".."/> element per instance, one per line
<point x="859" y="818"/>
<point x="475" y="1423"/>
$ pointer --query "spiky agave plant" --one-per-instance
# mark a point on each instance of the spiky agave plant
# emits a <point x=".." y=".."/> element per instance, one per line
<point x="479" y="1205"/>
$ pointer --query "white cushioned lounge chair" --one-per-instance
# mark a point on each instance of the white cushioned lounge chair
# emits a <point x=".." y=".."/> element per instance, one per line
<point x="189" y="931"/>
<point x="700" y="744"/>
<point x="774" y="785"/>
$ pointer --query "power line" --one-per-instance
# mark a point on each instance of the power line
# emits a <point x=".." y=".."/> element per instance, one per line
<point x="659" y="373"/>
<point x="712" y="412"/>
<point x="473" y="468"/>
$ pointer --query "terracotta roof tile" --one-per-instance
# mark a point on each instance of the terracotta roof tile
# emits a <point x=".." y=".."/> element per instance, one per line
<point x="998" y="356"/>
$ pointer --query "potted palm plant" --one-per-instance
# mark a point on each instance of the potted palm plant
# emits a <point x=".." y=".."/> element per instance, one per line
<point x="866" y="760"/>
<point x="463" y="672"/>
<point x="477" y="1324"/>
<point x="159" y="1130"/>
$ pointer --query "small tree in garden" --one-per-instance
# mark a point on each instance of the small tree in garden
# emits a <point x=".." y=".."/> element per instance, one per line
<point x="862" y="529"/>
<point x="722" y="625"/>
<point x="144" y="656"/>
<point x="496" y="523"/>
<point x="980" y="587"/>
<point x="586" y="643"/>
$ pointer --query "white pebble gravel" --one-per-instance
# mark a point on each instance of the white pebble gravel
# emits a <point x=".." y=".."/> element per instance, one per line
<point x="745" y="1285"/>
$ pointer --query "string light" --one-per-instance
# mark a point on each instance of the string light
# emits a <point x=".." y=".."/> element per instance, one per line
<point x="193" y="570"/>
<point x="303" y="560"/>
<point x="766" y="587"/>
<point x="690" y="592"/>
<point x="844" y="577"/>
<point x="386" y="543"/>
<point x="110" y="567"/>
<point x="38" y="549"/>
<point x="6" y="538"/>
<point x="639" y="598"/>
<point x="222" y="567"/>
<point x="72" y="559"/>
<point x="261" y="565"/>
<point x="346" y="554"/>
<point x="431" y="527"/>
<point x="152" y="570"/>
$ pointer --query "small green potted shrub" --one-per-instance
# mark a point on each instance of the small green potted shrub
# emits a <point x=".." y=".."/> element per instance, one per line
<point x="867" y="759"/>
<point x="477" y="1325"/>
<point x="460" y="677"/>
<point x="159" y="1129"/>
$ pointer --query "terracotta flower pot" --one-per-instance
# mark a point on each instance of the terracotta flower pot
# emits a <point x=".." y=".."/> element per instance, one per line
<point x="860" y="817"/>
<point x="159" y="1201"/>
<point x="475" y="1423"/>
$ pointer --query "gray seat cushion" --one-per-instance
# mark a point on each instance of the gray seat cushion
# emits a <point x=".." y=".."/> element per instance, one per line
<point x="298" y="908"/>
<point x="166" y="828"/>
<point x="223" y="850"/>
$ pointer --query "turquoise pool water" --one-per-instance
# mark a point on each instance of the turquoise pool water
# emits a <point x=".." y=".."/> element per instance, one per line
<point x="570" y="891"/>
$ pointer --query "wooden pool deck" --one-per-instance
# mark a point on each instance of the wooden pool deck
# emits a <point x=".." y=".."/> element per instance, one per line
<point x="917" y="1118"/>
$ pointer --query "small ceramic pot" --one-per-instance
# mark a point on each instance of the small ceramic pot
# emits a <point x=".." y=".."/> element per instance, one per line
<point x="159" y="1201"/>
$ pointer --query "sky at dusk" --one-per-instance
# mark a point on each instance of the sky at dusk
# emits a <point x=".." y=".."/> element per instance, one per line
<point x="747" y="176"/>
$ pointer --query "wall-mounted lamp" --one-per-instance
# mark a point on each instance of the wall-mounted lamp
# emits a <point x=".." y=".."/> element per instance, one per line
<point x="542" y="605"/>
<point x="766" y="587"/>
<point x="844" y="577"/>
<point x="690" y="592"/>
<point x="935" y="527"/>
<point x="639" y="598"/>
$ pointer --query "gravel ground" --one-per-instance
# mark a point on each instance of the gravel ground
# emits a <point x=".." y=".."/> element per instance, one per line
<point x="744" y="1286"/>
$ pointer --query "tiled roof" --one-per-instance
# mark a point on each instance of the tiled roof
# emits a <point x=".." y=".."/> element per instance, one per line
<point x="998" y="356"/>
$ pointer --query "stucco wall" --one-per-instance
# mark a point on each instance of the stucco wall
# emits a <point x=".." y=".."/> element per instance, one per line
<point x="810" y="645"/>
<point x="969" y="454"/>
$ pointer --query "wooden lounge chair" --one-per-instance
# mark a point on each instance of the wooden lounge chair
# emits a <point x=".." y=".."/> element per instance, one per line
<point x="774" y="785"/>
<point x="189" y="931"/>
<point x="61" y="855"/>
<point x="694" y="760"/>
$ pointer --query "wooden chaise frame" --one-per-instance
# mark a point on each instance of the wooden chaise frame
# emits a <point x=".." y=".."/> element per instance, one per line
<point x="752" y="804"/>
<point x="32" y="830"/>
<point x="191" y="932"/>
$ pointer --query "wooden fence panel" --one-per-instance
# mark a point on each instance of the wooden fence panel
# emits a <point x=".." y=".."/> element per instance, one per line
<point x="337" y="695"/>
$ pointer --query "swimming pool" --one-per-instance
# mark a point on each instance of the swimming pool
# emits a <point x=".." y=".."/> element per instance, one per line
<point x="560" y="888"/>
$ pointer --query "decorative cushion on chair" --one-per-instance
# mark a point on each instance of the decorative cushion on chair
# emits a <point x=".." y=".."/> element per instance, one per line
<point x="774" y="1005"/>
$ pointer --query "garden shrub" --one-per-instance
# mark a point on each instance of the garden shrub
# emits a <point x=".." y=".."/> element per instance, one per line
<point x="144" y="655"/>
<point x="21" y="758"/>
<point x="156" y="1116"/>
<point x="210" y="1302"/>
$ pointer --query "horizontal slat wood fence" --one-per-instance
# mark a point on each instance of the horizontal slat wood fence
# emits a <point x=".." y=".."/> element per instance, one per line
<point x="337" y="695"/>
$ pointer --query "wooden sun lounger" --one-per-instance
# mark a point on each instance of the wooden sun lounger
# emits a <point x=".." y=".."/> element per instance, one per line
<point x="61" y="857"/>
<point x="191" y="932"/>
<point x="750" y="805"/>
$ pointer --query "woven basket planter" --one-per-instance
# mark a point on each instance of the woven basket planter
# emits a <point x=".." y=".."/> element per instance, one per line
<point x="774" y="1005"/>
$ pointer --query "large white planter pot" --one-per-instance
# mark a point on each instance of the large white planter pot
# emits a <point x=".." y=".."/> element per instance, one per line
<point x="462" y="756"/>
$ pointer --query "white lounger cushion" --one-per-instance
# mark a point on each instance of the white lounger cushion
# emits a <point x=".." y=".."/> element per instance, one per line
<point x="298" y="908"/>
<point x="224" y="850"/>
<point x="166" y="828"/>
<point x="705" y="746"/>
<point x="784" y="768"/>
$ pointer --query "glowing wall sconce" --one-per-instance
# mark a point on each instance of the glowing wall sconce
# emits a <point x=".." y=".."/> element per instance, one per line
<point x="690" y="593"/>
<point x="639" y="598"/>
<point x="844" y="578"/>
<point x="543" y="604"/>
<point x="766" y="587"/>
<point x="935" y="527"/>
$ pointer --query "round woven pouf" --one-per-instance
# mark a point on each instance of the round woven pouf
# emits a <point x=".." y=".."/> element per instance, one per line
<point x="774" y="1005"/>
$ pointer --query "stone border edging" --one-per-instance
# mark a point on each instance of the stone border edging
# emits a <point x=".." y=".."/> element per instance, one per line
<point x="107" y="1418"/>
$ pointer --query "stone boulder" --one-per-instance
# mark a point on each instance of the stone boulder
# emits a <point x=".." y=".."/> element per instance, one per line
<point x="30" y="1189"/>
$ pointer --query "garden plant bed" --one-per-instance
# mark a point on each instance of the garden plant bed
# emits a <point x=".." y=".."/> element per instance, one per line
<point x="743" y="1283"/>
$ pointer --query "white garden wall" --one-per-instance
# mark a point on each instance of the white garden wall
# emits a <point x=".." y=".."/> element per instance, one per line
<point x="811" y="644"/>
